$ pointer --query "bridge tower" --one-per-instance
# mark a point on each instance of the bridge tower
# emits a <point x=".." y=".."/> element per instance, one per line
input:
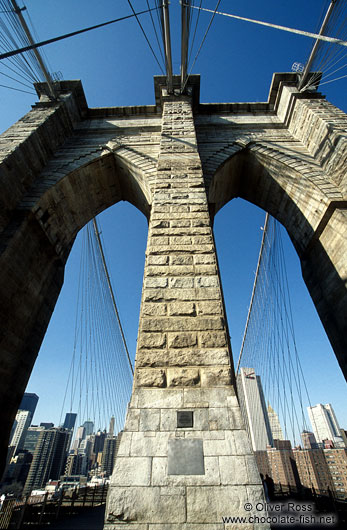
<point x="184" y="459"/>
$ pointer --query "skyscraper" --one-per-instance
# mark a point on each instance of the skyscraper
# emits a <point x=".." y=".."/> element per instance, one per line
<point x="31" y="438"/>
<point x="70" y="420"/>
<point x="49" y="458"/>
<point x="22" y="422"/>
<point x="29" y="402"/>
<point x="253" y="409"/>
<point x="109" y="455"/>
<point x="324" y="424"/>
<point x="275" y="426"/>
<point x="88" y="427"/>
<point x="111" y="427"/>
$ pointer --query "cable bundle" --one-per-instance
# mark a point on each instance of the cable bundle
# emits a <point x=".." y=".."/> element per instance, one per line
<point x="269" y="348"/>
<point x="23" y="70"/>
<point x="100" y="379"/>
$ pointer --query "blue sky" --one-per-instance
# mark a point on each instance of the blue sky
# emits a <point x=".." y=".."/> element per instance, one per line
<point x="116" y="68"/>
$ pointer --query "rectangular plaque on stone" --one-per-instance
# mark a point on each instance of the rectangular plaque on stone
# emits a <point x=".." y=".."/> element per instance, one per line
<point x="185" y="457"/>
<point x="184" y="418"/>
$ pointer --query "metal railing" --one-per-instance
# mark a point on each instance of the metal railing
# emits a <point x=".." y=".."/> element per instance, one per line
<point x="37" y="512"/>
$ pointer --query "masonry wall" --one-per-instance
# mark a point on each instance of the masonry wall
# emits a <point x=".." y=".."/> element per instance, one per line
<point x="63" y="163"/>
<point x="168" y="475"/>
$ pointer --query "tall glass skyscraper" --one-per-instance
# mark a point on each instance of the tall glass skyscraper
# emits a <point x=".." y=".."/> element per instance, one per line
<point x="253" y="409"/>
<point x="70" y="420"/>
<point x="29" y="402"/>
<point x="324" y="424"/>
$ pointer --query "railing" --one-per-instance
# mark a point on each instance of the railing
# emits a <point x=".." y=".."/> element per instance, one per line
<point x="38" y="512"/>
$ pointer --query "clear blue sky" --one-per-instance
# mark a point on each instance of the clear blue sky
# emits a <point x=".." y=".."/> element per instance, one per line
<point x="116" y="68"/>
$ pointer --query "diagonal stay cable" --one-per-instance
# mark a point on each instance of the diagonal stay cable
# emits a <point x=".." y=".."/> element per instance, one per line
<point x="97" y="234"/>
<point x="155" y="32"/>
<point x="144" y="34"/>
<point x="204" y="37"/>
<point x="194" y="34"/>
<point x="18" y="89"/>
<point x="276" y="26"/>
<point x="67" y="35"/>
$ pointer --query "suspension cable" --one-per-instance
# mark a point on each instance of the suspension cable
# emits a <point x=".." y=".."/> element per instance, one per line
<point x="145" y="35"/>
<point x="276" y="26"/>
<point x="72" y="34"/>
<point x="97" y="233"/>
<point x="204" y="37"/>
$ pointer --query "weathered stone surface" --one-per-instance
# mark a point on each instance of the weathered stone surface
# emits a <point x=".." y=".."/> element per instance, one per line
<point x="204" y="259"/>
<point x="151" y="283"/>
<point x="132" y="471"/>
<point x="160" y="398"/>
<point x="233" y="470"/>
<point x="218" y="418"/>
<point x="209" y="308"/>
<point x="132" y="420"/>
<point x="173" y="295"/>
<point x="154" y="309"/>
<point x="181" y="283"/>
<point x="212" y="339"/>
<point x="183" y="308"/>
<point x="238" y="443"/>
<point x="215" y="376"/>
<point x="150" y="377"/>
<point x="152" y="340"/>
<point x="184" y="357"/>
<point x="252" y="471"/>
<point x="125" y="444"/>
<point x="211" y="503"/>
<point x="138" y="505"/>
<point x="158" y="260"/>
<point x="182" y="340"/>
<point x="235" y="418"/>
<point x="110" y="526"/>
<point x="183" y="377"/>
<point x="181" y="324"/>
<point x="152" y="444"/>
<point x="181" y="260"/>
<point x="216" y="397"/>
<point x="149" y="420"/>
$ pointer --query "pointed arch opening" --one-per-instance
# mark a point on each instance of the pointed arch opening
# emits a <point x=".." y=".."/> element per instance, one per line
<point x="35" y="246"/>
<point x="314" y="224"/>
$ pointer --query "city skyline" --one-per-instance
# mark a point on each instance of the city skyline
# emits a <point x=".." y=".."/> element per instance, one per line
<point x="245" y="81"/>
<point x="251" y="397"/>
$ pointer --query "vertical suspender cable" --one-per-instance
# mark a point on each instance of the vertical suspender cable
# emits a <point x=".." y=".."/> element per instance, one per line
<point x="35" y="50"/>
<point x="184" y="41"/>
<point x="167" y="45"/>
<point x="315" y="46"/>
<point x="253" y="291"/>
<point x="96" y="230"/>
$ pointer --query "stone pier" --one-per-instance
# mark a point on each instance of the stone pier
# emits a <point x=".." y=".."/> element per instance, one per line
<point x="184" y="459"/>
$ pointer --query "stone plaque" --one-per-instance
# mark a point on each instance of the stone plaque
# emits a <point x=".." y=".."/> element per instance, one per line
<point x="184" y="418"/>
<point x="185" y="457"/>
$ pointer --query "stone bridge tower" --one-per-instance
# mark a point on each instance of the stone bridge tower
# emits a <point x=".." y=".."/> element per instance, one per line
<point x="184" y="459"/>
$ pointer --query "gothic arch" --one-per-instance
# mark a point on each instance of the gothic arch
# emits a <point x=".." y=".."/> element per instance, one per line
<point x="64" y="204"/>
<point x="35" y="246"/>
<point x="306" y="202"/>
